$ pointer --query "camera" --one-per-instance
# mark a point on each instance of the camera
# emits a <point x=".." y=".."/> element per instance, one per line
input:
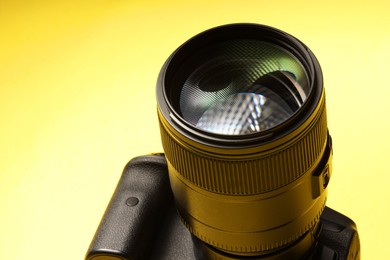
<point x="246" y="163"/>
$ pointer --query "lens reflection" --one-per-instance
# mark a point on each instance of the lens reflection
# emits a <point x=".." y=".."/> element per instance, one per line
<point x="242" y="87"/>
<point x="244" y="113"/>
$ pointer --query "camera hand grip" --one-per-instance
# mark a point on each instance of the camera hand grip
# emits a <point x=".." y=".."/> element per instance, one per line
<point x="135" y="211"/>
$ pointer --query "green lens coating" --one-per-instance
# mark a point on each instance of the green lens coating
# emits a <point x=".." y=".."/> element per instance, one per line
<point x="240" y="87"/>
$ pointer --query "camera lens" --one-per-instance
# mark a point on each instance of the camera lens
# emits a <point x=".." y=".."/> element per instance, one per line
<point x="243" y="125"/>
<point x="241" y="87"/>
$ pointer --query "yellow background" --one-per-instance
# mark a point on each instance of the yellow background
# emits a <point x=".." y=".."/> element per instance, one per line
<point x="77" y="101"/>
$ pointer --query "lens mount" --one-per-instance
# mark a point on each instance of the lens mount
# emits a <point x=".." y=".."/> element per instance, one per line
<point x="243" y="126"/>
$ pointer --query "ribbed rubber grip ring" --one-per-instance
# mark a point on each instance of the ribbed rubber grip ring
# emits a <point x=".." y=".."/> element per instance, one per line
<point x="250" y="176"/>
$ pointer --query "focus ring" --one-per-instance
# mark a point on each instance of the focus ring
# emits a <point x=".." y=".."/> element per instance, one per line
<point x="250" y="176"/>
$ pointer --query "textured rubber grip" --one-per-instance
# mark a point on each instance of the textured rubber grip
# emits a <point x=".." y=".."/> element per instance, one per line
<point x="258" y="174"/>
<point x="339" y="238"/>
<point x="135" y="212"/>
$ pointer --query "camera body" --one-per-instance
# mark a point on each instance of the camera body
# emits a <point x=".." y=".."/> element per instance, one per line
<point x="141" y="222"/>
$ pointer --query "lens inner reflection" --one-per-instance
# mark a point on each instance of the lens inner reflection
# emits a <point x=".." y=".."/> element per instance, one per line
<point x="244" y="113"/>
<point x="243" y="86"/>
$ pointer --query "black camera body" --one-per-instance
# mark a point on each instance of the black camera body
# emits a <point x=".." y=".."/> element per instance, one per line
<point x="141" y="222"/>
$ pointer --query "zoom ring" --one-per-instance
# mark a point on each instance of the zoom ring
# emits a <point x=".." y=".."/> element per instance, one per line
<point x="252" y="176"/>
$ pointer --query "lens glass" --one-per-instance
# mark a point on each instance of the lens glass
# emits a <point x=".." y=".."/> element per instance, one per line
<point x="240" y="87"/>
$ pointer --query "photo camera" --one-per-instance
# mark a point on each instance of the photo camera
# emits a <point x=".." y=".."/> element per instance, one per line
<point x="246" y="163"/>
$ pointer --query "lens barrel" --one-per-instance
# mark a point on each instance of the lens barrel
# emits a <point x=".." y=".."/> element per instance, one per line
<point x="243" y="126"/>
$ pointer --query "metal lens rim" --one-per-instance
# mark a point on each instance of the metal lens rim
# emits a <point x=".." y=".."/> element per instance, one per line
<point x="169" y="81"/>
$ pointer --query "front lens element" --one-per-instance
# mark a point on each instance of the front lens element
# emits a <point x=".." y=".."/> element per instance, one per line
<point x="241" y="87"/>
